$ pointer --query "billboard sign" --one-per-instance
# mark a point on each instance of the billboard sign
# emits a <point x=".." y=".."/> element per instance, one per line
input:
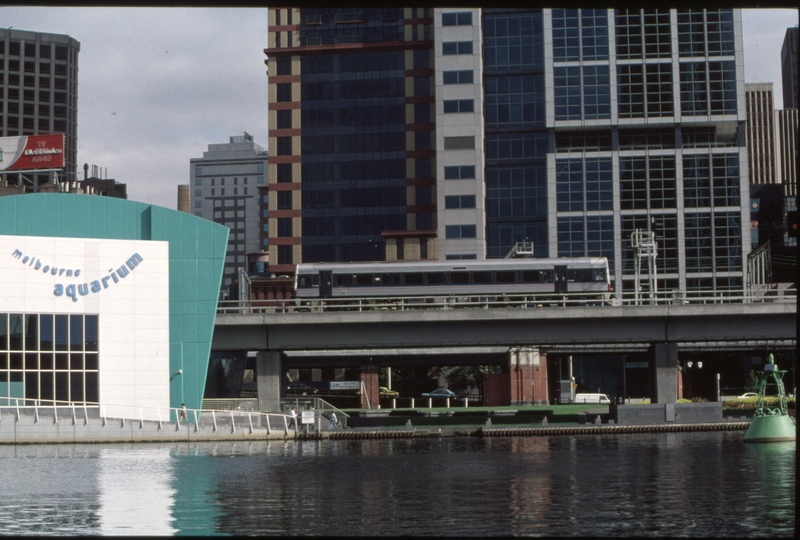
<point x="31" y="152"/>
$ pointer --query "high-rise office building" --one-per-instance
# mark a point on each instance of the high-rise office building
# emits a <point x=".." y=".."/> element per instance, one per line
<point x="568" y="128"/>
<point x="39" y="94"/>
<point x="760" y="133"/>
<point x="789" y="60"/>
<point x="786" y="126"/>
<point x="224" y="188"/>
<point x="351" y="119"/>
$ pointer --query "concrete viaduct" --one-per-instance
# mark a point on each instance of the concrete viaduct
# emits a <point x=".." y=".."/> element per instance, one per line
<point x="521" y="334"/>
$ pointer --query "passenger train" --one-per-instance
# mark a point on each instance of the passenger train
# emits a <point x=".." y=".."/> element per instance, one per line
<point x="492" y="277"/>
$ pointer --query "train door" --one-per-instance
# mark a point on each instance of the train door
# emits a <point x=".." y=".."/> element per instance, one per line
<point x="325" y="283"/>
<point x="560" y="278"/>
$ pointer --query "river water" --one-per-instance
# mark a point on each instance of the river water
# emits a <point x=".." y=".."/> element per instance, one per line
<point x="665" y="484"/>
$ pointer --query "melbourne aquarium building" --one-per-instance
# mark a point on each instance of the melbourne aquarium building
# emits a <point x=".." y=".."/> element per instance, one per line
<point x="106" y="301"/>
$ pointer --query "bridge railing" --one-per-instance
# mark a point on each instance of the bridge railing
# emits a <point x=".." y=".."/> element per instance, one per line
<point x="512" y="301"/>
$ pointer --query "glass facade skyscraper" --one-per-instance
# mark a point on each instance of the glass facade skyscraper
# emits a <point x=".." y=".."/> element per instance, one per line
<point x="568" y="128"/>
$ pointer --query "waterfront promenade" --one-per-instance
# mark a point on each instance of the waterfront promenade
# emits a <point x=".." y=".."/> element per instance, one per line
<point x="70" y="425"/>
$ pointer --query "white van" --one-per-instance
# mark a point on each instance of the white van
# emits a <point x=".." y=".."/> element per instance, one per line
<point x="592" y="398"/>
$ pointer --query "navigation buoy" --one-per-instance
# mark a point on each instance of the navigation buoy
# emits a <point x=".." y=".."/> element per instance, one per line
<point x="771" y="424"/>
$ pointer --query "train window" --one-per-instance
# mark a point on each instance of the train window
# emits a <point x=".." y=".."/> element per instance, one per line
<point x="342" y="280"/>
<point x="389" y="279"/>
<point x="537" y="276"/>
<point x="435" y="278"/>
<point x="315" y="280"/>
<point x="481" y="277"/>
<point x="304" y="282"/>
<point x="599" y="276"/>
<point x="459" y="278"/>
<point x="363" y="280"/>
<point x="414" y="278"/>
<point x="505" y="276"/>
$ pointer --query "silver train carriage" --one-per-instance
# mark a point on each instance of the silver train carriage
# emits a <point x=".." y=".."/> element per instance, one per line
<point x="453" y="278"/>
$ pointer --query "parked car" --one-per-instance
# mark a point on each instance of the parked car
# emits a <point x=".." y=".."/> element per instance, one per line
<point x="388" y="393"/>
<point x="440" y="393"/>
<point x="748" y="395"/>
<point x="300" y="388"/>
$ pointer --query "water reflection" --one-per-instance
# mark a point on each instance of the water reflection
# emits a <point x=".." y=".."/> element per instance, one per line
<point x="684" y="484"/>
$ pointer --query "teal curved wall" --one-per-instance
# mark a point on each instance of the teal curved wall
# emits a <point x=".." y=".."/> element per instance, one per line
<point x="196" y="260"/>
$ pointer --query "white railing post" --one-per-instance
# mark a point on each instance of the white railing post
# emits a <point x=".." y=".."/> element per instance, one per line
<point x="214" y="418"/>
<point x="233" y="423"/>
<point x="36" y="413"/>
<point x="250" y="419"/>
<point x="160" y="425"/>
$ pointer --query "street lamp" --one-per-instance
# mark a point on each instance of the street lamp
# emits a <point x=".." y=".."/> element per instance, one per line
<point x="689" y="365"/>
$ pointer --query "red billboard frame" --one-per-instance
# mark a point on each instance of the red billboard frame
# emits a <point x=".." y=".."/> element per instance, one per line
<point x="32" y="152"/>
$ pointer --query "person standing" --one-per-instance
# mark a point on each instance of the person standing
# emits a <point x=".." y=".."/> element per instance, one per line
<point x="184" y="416"/>
<point x="293" y="418"/>
<point x="334" y="420"/>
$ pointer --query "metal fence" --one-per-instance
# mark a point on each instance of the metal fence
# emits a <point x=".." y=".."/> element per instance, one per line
<point x="761" y="295"/>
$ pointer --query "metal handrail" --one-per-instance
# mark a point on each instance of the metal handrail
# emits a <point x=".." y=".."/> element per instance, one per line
<point x="136" y="413"/>
<point x="511" y="301"/>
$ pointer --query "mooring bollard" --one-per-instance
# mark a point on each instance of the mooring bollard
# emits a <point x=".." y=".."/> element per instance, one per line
<point x="544" y="421"/>
<point x="408" y="424"/>
<point x="488" y="422"/>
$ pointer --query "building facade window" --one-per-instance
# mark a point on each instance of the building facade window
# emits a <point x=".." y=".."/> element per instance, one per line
<point x="284" y="227"/>
<point x="284" y="146"/>
<point x="708" y="88"/>
<point x="283" y="92"/>
<point x="513" y="40"/>
<point x="284" y="119"/>
<point x="516" y="192"/>
<point x="285" y="255"/>
<point x="459" y="201"/>
<point x="284" y="173"/>
<point x="456" y="47"/>
<point x="705" y="32"/>
<point x="458" y="77"/>
<point x="459" y="143"/>
<point x="460" y="231"/>
<point x="515" y="100"/>
<point x="580" y="34"/>
<point x="584" y="185"/>
<point x="284" y="200"/>
<point x="582" y="92"/>
<point x="459" y="172"/>
<point x="647" y="183"/>
<point x="458" y="106"/>
<point x="460" y="18"/>
<point x="49" y="357"/>
<point x="643" y="32"/>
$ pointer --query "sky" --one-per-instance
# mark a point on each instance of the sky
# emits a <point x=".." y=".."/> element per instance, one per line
<point x="156" y="86"/>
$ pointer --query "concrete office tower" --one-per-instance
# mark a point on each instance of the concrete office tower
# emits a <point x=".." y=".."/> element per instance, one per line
<point x="760" y="133"/>
<point x="39" y="93"/>
<point x="789" y="60"/>
<point x="224" y="189"/>
<point x="567" y="128"/>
